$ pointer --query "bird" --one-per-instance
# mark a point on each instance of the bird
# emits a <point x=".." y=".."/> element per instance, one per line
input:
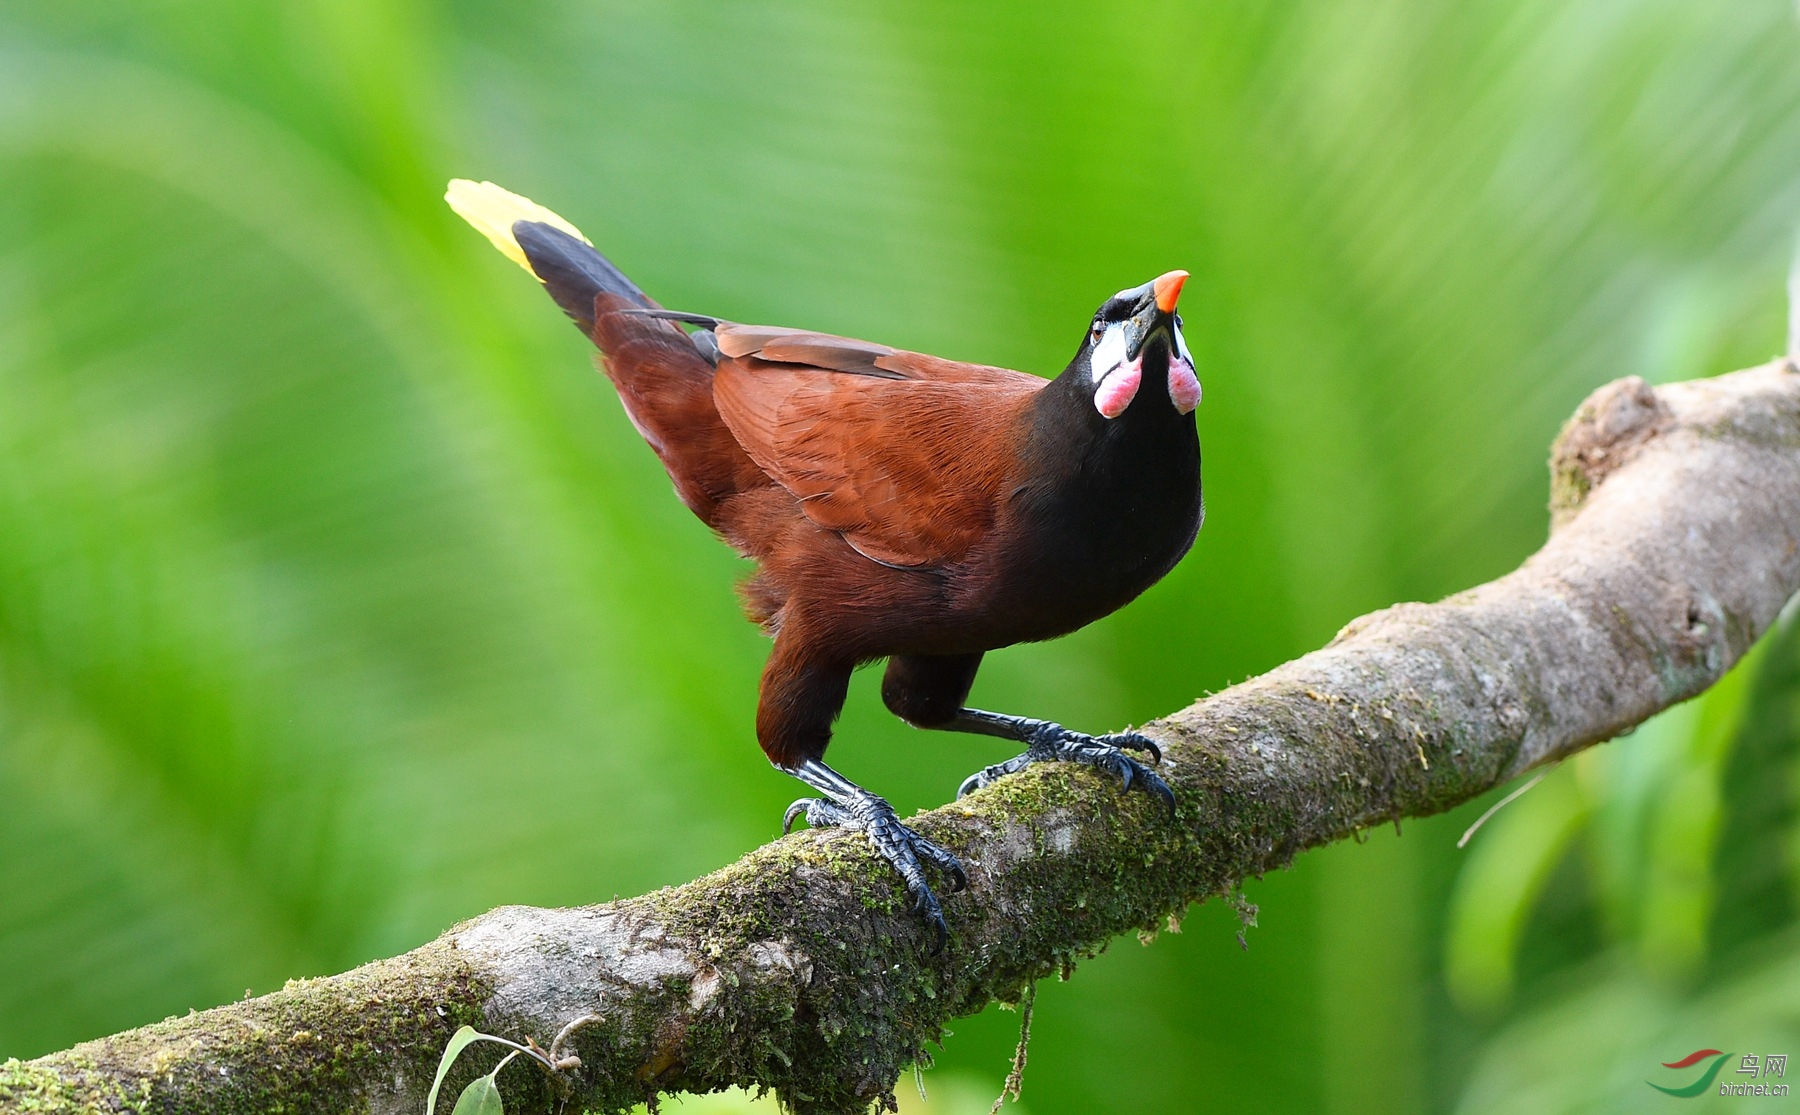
<point x="900" y="506"/>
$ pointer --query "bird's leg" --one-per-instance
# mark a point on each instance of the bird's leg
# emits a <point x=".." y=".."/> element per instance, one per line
<point x="847" y="805"/>
<point x="802" y="691"/>
<point x="1048" y="742"/>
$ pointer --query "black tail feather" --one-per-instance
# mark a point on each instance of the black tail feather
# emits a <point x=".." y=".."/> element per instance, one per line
<point x="572" y="270"/>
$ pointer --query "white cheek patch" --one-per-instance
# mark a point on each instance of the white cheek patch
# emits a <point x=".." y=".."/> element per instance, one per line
<point x="1109" y="353"/>
<point x="1184" y="384"/>
<point x="1116" y="381"/>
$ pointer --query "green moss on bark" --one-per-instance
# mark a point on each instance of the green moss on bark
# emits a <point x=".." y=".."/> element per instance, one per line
<point x="77" y="1086"/>
<point x="316" y="1045"/>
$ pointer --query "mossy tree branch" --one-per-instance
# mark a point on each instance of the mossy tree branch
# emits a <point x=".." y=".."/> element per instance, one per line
<point x="1676" y="544"/>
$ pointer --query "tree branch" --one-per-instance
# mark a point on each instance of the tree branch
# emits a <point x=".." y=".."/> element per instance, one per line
<point x="1676" y="544"/>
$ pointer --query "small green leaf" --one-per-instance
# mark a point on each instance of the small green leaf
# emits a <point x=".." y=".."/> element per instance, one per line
<point x="459" y="1041"/>
<point x="481" y="1097"/>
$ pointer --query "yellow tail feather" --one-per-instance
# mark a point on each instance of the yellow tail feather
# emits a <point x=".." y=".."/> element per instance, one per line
<point x="492" y="210"/>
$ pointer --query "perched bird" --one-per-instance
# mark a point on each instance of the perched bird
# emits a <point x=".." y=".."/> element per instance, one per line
<point x="899" y="505"/>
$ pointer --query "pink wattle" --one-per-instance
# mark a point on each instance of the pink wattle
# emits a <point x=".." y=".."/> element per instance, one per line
<point x="1184" y="386"/>
<point x="1118" y="388"/>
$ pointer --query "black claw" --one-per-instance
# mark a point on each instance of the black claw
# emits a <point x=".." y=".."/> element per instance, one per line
<point x="1162" y="791"/>
<point x="1142" y="777"/>
<point x="1136" y="741"/>
<point x="927" y="908"/>
<point x="905" y="850"/>
<point x="1052" y="742"/>
<point x="987" y="776"/>
<point x="945" y="860"/>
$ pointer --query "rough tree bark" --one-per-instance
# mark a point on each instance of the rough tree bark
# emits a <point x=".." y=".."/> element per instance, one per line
<point x="1676" y="543"/>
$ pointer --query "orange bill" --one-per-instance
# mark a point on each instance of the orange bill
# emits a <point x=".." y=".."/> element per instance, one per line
<point x="1168" y="290"/>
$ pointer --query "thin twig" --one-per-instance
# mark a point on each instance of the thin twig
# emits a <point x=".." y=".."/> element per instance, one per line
<point x="1499" y="805"/>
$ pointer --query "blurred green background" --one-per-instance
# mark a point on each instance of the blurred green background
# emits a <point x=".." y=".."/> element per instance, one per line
<point x="339" y="602"/>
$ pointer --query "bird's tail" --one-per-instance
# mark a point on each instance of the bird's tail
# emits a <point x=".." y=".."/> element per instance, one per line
<point x="552" y="249"/>
<point x="664" y="376"/>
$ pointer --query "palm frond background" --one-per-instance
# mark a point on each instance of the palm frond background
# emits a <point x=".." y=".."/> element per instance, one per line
<point x="338" y="600"/>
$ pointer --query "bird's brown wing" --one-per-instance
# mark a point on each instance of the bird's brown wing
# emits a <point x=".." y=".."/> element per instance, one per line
<point x="901" y="453"/>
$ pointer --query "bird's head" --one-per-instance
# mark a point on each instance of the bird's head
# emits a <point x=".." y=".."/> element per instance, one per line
<point x="1134" y="333"/>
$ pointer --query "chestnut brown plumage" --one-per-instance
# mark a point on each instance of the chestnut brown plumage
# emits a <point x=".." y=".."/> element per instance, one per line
<point x="899" y="505"/>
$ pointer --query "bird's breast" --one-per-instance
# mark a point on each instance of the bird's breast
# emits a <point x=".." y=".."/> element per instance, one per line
<point x="1077" y="546"/>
